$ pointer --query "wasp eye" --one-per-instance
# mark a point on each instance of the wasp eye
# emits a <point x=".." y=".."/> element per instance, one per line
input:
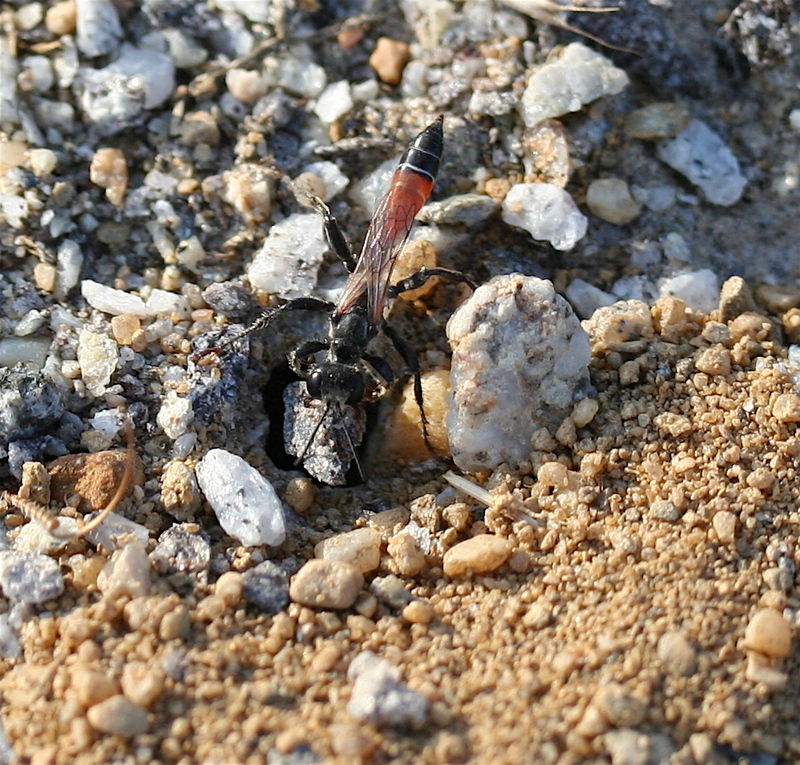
<point x="336" y="382"/>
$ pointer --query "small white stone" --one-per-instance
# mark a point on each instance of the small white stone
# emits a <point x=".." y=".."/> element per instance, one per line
<point x="29" y="577"/>
<point x="546" y="212"/>
<point x="98" y="355"/>
<point x="288" y="262"/>
<point x="175" y="415"/>
<point x="698" y="289"/>
<point x="161" y="302"/>
<point x="586" y="298"/>
<point x="99" y="28"/>
<point x="301" y="77"/>
<point x="245" y="503"/>
<point x="112" y="301"/>
<point x="578" y="77"/>
<point x="334" y="102"/>
<point x="700" y="155"/>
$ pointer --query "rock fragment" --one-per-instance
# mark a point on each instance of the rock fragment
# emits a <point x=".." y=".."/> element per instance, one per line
<point x="576" y="78"/>
<point x="519" y="363"/>
<point x="361" y="548"/>
<point x="479" y="554"/>
<point x="547" y="212"/>
<point x="118" y="716"/>
<point x="389" y="59"/>
<point x="611" y="200"/>
<point x="768" y="633"/>
<point x="379" y="697"/>
<point x="702" y="157"/>
<point x="30" y="577"/>
<point x="326" y="584"/>
<point x="265" y="586"/>
<point x="245" y="503"/>
<point x="127" y="573"/>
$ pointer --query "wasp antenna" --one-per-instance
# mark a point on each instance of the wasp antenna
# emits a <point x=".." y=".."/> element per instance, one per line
<point x="355" y="455"/>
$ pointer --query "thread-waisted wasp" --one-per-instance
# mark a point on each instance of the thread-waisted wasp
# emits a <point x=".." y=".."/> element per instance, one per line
<point x="348" y="374"/>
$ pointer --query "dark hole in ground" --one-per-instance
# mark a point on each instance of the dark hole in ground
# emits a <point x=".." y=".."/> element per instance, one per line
<point x="281" y="377"/>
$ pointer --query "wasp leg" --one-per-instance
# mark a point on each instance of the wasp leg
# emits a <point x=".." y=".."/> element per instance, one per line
<point x="263" y="321"/>
<point x="415" y="281"/>
<point x="301" y="357"/>
<point x="381" y="372"/>
<point x="334" y="235"/>
<point x="407" y="352"/>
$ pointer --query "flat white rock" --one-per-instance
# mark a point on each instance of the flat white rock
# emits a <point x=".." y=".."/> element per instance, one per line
<point x="547" y="212"/>
<point x="246" y="505"/>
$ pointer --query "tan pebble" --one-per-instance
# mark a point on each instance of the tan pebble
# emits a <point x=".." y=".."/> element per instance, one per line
<point x="618" y="707"/>
<point x="520" y="561"/>
<point x="245" y="85"/>
<point x="141" y="683"/>
<point x="249" y="188"/>
<point x="611" y="200"/>
<point x="714" y="361"/>
<point x="673" y="424"/>
<point x="61" y="18"/>
<point x="360" y="627"/>
<point x="585" y="411"/>
<point x="629" y="373"/>
<point x="366" y="604"/>
<point x="724" y="523"/>
<point x="554" y="474"/>
<point x="777" y="578"/>
<point x="92" y="686"/>
<point x="750" y="325"/>
<point x="124" y="326"/>
<point x="361" y="548"/>
<point x="592" y="723"/>
<point x="419" y="612"/>
<point x="229" y="587"/>
<point x="327" y="658"/>
<point x="326" y="584"/>
<point x="407" y="557"/>
<point x="458" y="516"/>
<point x="179" y="490"/>
<point x="389" y="59"/>
<point x="35" y="483"/>
<point x="759" y="671"/>
<point x="352" y="742"/>
<point x="404" y="432"/>
<point x="126" y="573"/>
<point x="661" y="119"/>
<point x="94" y="478"/>
<point x="779" y="298"/>
<point x="199" y="128"/>
<point x="12" y="154"/>
<point x="566" y="434"/>
<point x="86" y="570"/>
<point x="761" y="479"/>
<point x="44" y="276"/>
<point x="42" y="161"/>
<point x="787" y="408"/>
<point x="791" y="325"/>
<point x="768" y="633"/>
<point x="109" y="170"/>
<point x="300" y="494"/>
<point x="118" y="716"/>
<point x="497" y="188"/>
<point x="677" y="655"/>
<point x="175" y="624"/>
<point x="482" y="553"/>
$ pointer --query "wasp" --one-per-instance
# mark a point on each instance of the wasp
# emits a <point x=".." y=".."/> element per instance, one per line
<point x="340" y="370"/>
